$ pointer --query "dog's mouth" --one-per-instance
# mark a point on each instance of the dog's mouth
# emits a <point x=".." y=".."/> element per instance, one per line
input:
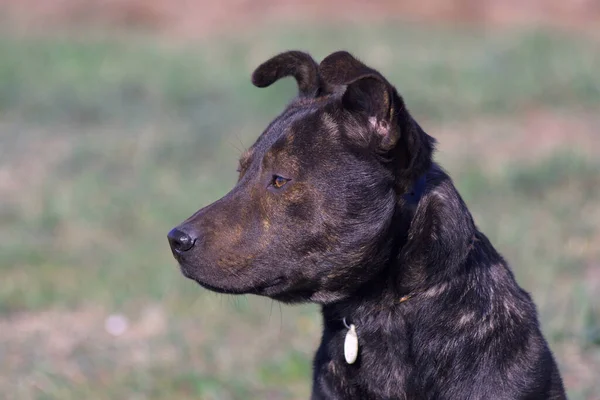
<point x="269" y="288"/>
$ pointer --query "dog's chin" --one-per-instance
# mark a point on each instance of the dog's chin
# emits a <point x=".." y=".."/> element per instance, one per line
<point x="280" y="289"/>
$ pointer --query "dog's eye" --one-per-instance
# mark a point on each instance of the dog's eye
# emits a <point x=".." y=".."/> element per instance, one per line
<point x="278" y="182"/>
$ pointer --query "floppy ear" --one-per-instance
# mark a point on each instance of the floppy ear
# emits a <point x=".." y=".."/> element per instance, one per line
<point x="369" y="93"/>
<point x="295" y="63"/>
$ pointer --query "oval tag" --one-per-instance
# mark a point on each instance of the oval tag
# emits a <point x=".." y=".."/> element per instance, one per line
<point x="351" y="345"/>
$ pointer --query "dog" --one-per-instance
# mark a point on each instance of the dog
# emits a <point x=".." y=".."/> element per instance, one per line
<point x="339" y="203"/>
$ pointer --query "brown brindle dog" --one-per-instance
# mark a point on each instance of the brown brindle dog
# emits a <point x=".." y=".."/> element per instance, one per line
<point x="338" y="202"/>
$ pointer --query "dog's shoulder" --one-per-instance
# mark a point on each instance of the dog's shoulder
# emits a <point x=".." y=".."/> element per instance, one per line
<point x="471" y="319"/>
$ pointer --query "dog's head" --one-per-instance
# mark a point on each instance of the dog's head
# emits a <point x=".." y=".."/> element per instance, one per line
<point x="315" y="211"/>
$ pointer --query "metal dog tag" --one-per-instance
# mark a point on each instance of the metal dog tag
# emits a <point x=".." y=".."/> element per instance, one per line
<point x="351" y="345"/>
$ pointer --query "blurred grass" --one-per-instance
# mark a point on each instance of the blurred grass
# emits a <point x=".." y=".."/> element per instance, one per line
<point x="444" y="74"/>
<point x="105" y="144"/>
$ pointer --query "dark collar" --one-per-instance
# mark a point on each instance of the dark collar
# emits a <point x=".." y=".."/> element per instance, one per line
<point x="415" y="193"/>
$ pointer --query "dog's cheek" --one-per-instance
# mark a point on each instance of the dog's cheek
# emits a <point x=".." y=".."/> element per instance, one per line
<point x="299" y="214"/>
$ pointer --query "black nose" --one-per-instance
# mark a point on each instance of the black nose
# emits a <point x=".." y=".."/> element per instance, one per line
<point x="180" y="241"/>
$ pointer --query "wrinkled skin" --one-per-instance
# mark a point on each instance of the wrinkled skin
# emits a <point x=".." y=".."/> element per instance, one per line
<point x="339" y="203"/>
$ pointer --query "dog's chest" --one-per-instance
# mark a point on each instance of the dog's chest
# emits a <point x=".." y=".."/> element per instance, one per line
<point x="381" y="370"/>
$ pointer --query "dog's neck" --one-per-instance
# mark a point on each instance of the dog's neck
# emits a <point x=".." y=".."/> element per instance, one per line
<point x="414" y="195"/>
<point x="424" y="257"/>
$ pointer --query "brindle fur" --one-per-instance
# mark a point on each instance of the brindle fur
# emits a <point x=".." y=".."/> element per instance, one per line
<point x="342" y="233"/>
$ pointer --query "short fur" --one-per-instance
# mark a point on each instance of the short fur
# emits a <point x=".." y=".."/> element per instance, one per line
<point x="322" y="212"/>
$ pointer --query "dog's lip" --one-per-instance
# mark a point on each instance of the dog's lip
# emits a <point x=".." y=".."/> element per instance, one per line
<point x="260" y="289"/>
<point x="275" y="282"/>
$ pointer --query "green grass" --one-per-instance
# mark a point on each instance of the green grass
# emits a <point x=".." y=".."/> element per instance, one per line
<point x="105" y="144"/>
<point x="441" y="74"/>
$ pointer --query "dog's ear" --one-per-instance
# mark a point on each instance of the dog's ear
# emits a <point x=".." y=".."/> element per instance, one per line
<point x="369" y="93"/>
<point x="295" y="63"/>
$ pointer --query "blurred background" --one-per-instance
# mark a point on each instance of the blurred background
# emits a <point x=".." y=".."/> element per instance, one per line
<point x="120" y="118"/>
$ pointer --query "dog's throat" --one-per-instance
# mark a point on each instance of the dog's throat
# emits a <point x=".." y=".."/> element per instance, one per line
<point x="351" y="340"/>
